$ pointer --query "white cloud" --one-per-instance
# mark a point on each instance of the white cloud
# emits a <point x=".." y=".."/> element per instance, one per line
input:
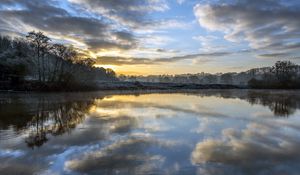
<point x="264" y="24"/>
<point x="267" y="148"/>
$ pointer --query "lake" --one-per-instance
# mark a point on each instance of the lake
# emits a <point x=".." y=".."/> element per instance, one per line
<point x="195" y="132"/>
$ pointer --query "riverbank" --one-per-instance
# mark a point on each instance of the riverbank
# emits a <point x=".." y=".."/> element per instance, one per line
<point x="117" y="85"/>
<point x="161" y="86"/>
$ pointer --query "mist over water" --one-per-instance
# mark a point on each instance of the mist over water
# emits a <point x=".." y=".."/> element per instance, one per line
<point x="193" y="132"/>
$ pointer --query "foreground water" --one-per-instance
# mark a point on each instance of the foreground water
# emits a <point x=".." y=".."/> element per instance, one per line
<point x="204" y="132"/>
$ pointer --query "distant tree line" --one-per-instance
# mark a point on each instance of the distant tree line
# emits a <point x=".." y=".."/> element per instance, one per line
<point x="36" y="63"/>
<point x="199" y="78"/>
<point x="284" y="74"/>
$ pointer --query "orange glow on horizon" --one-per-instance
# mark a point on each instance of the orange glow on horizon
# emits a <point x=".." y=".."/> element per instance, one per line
<point x="113" y="67"/>
<point x="145" y="70"/>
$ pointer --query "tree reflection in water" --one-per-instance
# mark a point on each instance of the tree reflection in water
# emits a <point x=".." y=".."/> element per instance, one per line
<point x="57" y="120"/>
<point x="42" y="117"/>
<point x="281" y="103"/>
<point x="160" y="133"/>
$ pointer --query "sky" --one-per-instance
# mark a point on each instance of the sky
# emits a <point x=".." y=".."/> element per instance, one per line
<point x="143" y="37"/>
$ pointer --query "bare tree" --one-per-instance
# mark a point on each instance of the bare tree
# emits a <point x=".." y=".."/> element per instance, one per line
<point x="284" y="70"/>
<point x="59" y="52"/>
<point x="40" y="44"/>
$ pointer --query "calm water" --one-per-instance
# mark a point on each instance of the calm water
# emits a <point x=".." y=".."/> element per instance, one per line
<point x="205" y="132"/>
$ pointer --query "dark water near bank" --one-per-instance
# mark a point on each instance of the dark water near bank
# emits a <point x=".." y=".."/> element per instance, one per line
<point x="201" y="132"/>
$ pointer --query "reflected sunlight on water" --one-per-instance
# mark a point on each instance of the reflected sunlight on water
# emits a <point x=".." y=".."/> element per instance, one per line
<point x="204" y="132"/>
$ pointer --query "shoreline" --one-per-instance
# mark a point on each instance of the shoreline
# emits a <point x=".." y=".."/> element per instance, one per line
<point x="141" y="86"/>
<point x="107" y="86"/>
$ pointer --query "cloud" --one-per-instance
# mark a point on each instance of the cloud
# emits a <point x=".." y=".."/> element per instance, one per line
<point x="134" y="15"/>
<point x="119" y="25"/>
<point x="273" y="55"/>
<point x="194" y="56"/>
<point x="120" y="40"/>
<point x="95" y="33"/>
<point x="130" y="13"/>
<point x="127" y="155"/>
<point x="201" y="57"/>
<point x="264" y="24"/>
<point x="122" y="60"/>
<point x="200" y="111"/>
<point x="267" y="148"/>
<point x="197" y="58"/>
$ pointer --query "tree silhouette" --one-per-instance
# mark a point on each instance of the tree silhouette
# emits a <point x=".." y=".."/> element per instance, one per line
<point x="284" y="71"/>
<point x="42" y="65"/>
<point x="40" y="45"/>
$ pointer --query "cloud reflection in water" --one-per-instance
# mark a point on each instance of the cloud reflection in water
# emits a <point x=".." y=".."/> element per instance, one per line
<point x="206" y="132"/>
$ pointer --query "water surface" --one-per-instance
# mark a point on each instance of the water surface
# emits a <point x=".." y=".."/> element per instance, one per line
<point x="200" y="132"/>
